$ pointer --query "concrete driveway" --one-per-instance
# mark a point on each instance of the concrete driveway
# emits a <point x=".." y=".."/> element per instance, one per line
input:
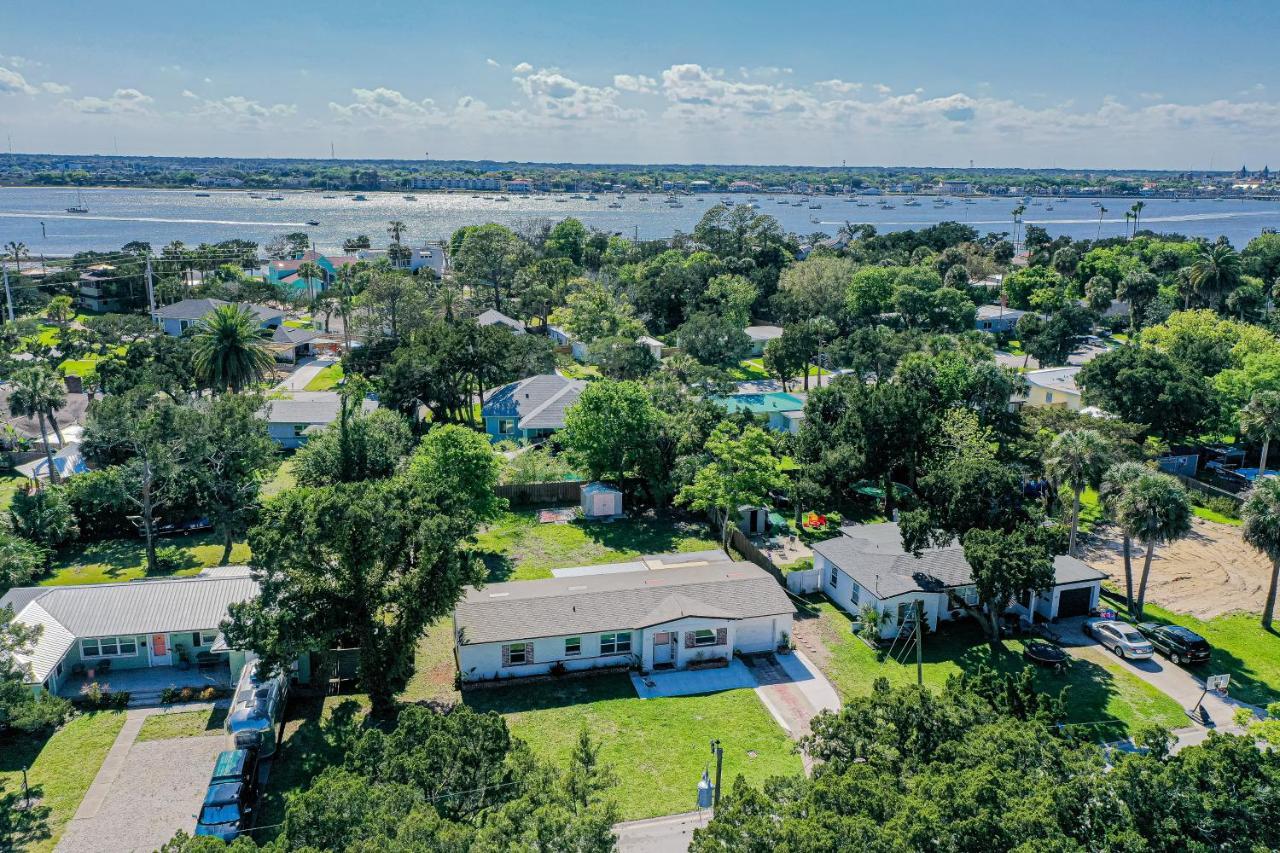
<point x="306" y="371"/>
<point x="793" y="689"/>
<point x="144" y="792"/>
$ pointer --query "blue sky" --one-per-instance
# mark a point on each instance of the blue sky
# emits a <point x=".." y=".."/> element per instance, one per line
<point x="1080" y="84"/>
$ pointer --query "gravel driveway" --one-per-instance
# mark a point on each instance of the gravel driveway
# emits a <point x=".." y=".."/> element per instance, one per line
<point x="158" y="790"/>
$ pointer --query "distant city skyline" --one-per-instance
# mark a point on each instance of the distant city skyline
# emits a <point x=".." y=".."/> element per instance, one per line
<point x="1175" y="85"/>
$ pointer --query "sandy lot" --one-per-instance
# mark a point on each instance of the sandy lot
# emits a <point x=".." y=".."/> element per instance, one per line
<point x="1210" y="572"/>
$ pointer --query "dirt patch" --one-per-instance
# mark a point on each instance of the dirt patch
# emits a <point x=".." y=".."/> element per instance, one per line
<point x="812" y="635"/>
<point x="1210" y="572"/>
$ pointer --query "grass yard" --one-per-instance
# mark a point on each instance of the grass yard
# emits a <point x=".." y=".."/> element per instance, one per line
<point x="1094" y="692"/>
<point x="572" y="369"/>
<point x="434" y="667"/>
<point x="1242" y="648"/>
<point x="10" y="482"/>
<point x="1091" y="511"/>
<point x="177" y="724"/>
<point x="517" y="547"/>
<point x="658" y="747"/>
<point x="60" y="766"/>
<point x="327" y="379"/>
<point x="125" y="559"/>
<point x="282" y="481"/>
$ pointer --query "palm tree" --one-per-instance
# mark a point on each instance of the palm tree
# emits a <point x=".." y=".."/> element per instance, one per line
<point x="1153" y="509"/>
<point x="1261" y="514"/>
<point x="17" y="251"/>
<point x="1102" y="211"/>
<point x="1117" y="479"/>
<point x="1215" y="272"/>
<point x="60" y="309"/>
<point x="310" y="271"/>
<point x="1137" y="214"/>
<point x="228" y="352"/>
<point x="1017" y="221"/>
<point x="1128" y="217"/>
<point x="1260" y="421"/>
<point x="395" y="229"/>
<point x="1077" y="460"/>
<point x="37" y="393"/>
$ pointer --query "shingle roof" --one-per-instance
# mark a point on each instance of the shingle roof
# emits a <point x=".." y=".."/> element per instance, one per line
<point x="539" y="401"/>
<point x="196" y="309"/>
<point x="872" y="555"/>
<point x="316" y="407"/>
<point x="290" y="335"/>
<point x="522" y="610"/>
<point x="763" y="333"/>
<point x="137" y="607"/>
<point x="492" y="317"/>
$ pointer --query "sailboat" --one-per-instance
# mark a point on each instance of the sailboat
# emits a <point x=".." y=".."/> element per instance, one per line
<point x="79" y="205"/>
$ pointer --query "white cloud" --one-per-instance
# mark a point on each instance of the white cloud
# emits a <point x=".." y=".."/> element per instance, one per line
<point x="55" y="88"/>
<point x="208" y="79"/>
<point x="493" y="63"/>
<point x="840" y="87"/>
<point x="122" y="101"/>
<point x="552" y="95"/>
<point x="13" y="83"/>
<point x="882" y="88"/>
<point x="634" y="83"/>
<point x="240" y="111"/>
<point x="187" y="93"/>
<point x="522" y="68"/>
<point x="381" y="104"/>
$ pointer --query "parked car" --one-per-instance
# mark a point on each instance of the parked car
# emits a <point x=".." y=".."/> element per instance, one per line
<point x="229" y="801"/>
<point x="1120" y="637"/>
<point x="1180" y="645"/>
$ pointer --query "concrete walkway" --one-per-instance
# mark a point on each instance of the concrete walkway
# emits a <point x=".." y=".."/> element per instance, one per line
<point x="306" y="371"/>
<point x="691" y="682"/>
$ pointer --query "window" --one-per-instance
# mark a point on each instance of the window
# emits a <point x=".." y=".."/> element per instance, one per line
<point x="855" y="592"/>
<point x="1048" y="396"/>
<point x="202" y="638"/>
<point x="515" y="654"/>
<point x="705" y="637"/>
<point x="108" y="647"/>
<point x="572" y="646"/>
<point x="299" y="429"/>
<point x="835" y="577"/>
<point x="506" y="426"/>
<point x="615" y="644"/>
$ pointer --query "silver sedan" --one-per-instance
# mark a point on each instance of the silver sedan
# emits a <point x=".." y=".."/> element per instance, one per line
<point x="1120" y="637"/>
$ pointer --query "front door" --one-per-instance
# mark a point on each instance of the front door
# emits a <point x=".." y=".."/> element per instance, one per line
<point x="662" y="648"/>
<point x="160" y="652"/>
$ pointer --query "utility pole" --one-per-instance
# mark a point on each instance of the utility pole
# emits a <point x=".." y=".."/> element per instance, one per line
<point x="8" y="296"/>
<point x="718" y="752"/>
<point x="151" y="290"/>
<point x="919" y="644"/>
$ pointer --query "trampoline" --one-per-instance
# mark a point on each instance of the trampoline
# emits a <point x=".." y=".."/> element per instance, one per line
<point x="1046" y="655"/>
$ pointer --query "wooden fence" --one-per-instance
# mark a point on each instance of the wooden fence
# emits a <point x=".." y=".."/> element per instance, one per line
<point x="739" y="542"/>
<point x="559" y="492"/>
<point x="1205" y="488"/>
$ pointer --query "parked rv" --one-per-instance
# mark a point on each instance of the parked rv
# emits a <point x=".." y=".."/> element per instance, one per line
<point x="257" y="711"/>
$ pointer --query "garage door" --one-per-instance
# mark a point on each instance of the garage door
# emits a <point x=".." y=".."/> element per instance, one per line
<point x="1074" y="602"/>
<point x="754" y="635"/>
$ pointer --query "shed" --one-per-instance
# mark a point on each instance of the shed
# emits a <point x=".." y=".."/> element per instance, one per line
<point x="600" y="500"/>
<point x="754" y="520"/>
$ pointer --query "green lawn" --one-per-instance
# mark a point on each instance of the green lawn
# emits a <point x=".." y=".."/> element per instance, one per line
<point x="1242" y="648"/>
<point x="327" y="379"/>
<point x="572" y="369"/>
<point x="60" y="767"/>
<point x="125" y="559"/>
<point x="283" y="480"/>
<point x="1091" y="512"/>
<point x="183" y="724"/>
<point x="10" y="482"/>
<point x="434" y="667"/>
<point x="658" y="747"/>
<point x="1095" y="693"/>
<point x="752" y="370"/>
<point x="517" y="547"/>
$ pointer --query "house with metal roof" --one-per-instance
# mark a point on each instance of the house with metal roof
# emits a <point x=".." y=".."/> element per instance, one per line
<point x="497" y="318"/>
<point x="997" y="319"/>
<point x="867" y="565"/>
<point x="1051" y="388"/>
<point x="290" y="420"/>
<point x="144" y="632"/>
<point x="530" y="408"/>
<point x="761" y="335"/>
<point x="657" y="614"/>
<point x="180" y="316"/>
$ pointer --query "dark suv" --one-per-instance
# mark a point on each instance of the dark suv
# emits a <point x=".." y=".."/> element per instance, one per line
<point x="1180" y="645"/>
<point x="229" y="801"/>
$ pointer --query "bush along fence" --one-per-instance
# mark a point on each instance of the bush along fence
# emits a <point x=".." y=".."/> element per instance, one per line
<point x="564" y="491"/>
<point x="1209" y="490"/>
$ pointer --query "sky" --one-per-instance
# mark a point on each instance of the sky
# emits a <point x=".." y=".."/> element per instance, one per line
<point x="1162" y="85"/>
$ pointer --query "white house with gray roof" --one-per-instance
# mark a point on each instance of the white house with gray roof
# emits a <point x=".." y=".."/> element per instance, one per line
<point x="867" y="565"/>
<point x="107" y="632"/>
<point x="660" y="614"/>
<point x="530" y="408"/>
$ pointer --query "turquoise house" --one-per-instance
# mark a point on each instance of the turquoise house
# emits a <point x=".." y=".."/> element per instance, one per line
<point x="531" y="408"/>
<point x="286" y="271"/>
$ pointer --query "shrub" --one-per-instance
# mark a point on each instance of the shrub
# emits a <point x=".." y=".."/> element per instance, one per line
<point x="92" y="693"/>
<point x="120" y="699"/>
<point x="97" y="501"/>
<point x="186" y="694"/>
<point x="42" y="711"/>
<point x="209" y="694"/>
<point x="1219" y="504"/>
<point x="168" y="696"/>
<point x="558" y="668"/>
<point x="170" y="559"/>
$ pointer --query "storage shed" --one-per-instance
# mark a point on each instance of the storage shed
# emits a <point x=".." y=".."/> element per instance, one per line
<point x="600" y="500"/>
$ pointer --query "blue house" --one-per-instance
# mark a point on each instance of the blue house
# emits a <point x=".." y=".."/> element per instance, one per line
<point x="286" y="271"/>
<point x="291" y="420"/>
<point x="180" y="316"/>
<point x="531" y="408"/>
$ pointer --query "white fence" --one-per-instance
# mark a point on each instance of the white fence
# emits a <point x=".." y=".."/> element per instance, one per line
<point x="805" y="581"/>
